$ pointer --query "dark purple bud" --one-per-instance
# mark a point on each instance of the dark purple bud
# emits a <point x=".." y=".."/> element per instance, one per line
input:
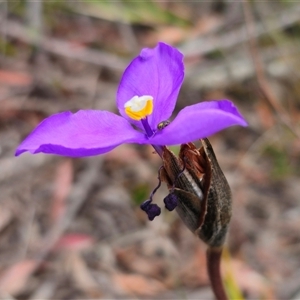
<point x="170" y="202"/>
<point x="144" y="206"/>
<point x="152" y="210"/>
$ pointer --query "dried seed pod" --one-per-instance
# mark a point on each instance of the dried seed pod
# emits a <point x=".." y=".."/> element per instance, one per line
<point x="202" y="191"/>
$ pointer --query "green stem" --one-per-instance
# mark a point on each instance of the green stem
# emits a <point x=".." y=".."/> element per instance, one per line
<point x="213" y="256"/>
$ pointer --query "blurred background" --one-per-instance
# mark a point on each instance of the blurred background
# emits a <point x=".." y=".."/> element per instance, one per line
<point x="72" y="228"/>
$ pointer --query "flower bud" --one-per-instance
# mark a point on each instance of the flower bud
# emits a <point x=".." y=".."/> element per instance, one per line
<point x="202" y="191"/>
<point x="170" y="201"/>
<point x="152" y="210"/>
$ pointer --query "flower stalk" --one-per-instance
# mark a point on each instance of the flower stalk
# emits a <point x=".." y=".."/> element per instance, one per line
<point x="213" y="259"/>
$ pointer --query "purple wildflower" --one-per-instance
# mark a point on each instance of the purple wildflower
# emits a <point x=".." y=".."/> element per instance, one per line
<point x="146" y="97"/>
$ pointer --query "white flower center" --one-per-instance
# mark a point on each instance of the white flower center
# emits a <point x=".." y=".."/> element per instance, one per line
<point x="138" y="108"/>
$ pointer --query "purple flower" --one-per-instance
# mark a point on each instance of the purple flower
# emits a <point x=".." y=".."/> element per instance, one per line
<point x="146" y="98"/>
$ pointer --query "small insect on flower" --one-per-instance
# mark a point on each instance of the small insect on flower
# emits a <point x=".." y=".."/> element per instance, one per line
<point x="163" y="124"/>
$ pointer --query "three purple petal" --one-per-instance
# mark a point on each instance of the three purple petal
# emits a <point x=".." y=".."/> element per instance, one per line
<point x="156" y="72"/>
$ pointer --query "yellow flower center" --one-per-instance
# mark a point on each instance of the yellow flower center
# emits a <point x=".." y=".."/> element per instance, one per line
<point x="138" y="108"/>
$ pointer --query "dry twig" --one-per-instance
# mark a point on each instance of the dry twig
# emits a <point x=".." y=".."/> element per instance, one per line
<point x="78" y="195"/>
<point x="59" y="47"/>
<point x="262" y="81"/>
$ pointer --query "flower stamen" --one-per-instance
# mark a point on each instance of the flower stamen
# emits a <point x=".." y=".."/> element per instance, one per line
<point x="152" y="210"/>
<point x="138" y="108"/>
